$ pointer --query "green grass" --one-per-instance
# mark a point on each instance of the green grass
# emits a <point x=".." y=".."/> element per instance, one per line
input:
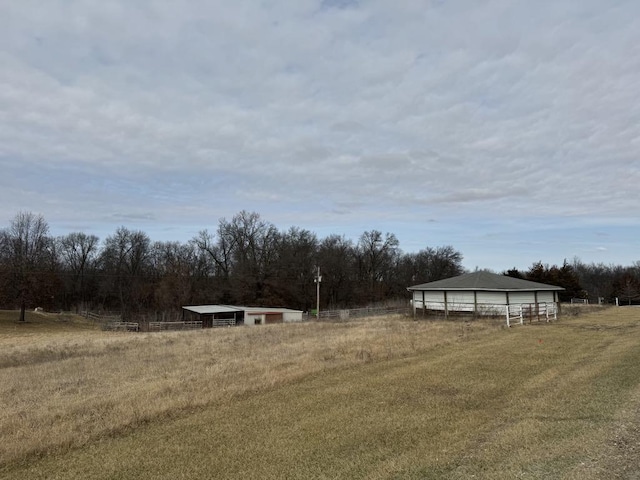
<point x="534" y="401"/>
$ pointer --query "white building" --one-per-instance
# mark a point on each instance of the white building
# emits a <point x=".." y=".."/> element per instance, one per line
<point x="482" y="293"/>
<point x="219" y="315"/>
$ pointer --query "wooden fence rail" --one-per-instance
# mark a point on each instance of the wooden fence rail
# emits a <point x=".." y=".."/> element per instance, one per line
<point x="102" y="317"/>
<point x="354" y="313"/>
<point x="121" y="326"/>
<point x="163" y="326"/>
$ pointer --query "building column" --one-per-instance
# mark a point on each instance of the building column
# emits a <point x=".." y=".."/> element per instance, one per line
<point x="446" y="306"/>
<point x="475" y="303"/>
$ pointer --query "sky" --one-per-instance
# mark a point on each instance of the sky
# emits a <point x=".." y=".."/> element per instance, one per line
<point x="508" y="129"/>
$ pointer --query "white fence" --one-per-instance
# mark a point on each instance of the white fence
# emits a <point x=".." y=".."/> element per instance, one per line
<point x="224" y="322"/>
<point x="517" y="313"/>
<point x="584" y="301"/>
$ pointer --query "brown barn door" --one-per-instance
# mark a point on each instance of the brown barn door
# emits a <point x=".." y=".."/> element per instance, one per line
<point x="273" y="318"/>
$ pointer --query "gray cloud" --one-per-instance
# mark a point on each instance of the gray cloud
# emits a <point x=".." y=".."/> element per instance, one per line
<point x="365" y="109"/>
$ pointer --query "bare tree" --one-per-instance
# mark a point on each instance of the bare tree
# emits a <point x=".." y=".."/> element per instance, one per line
<point x="125" y="259"/>
<point x="215" y="258"/>
<point x="627" y="287"/>
<point x="254" y="246"/>
<point x="297" y="261"/>
<point x="336" y="259"/>
<point x="427" y="265"/>
<point x="78" y="253"/>
<point x="376" y="256"/>
<point x="26" y="255"/>
<point x="175" y="267"/>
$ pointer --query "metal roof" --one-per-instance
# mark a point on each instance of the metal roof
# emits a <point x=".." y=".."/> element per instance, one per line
<point x="485" y="281"/>
<point x="209" y="309"/>
<point x="269" y="310"/>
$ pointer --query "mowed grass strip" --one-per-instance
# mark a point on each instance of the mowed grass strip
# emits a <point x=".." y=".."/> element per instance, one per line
<point x="539" y="401"/>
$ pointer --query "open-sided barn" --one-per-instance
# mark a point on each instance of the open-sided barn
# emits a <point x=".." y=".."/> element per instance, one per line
<point x="220" y="315"/>
<point x="482" y="292"/>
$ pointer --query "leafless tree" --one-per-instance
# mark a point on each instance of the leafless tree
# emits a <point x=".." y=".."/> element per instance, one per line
<point x="254" y="248"/>
<point x="26" y="253"/>
<point x="376" y="256"/>
<point x="78" y="253"/>
<point x="296" y="268"/>
<point x="125" y="259"/>
<point x="336" y="259"/>
<point x="175" y="269"/>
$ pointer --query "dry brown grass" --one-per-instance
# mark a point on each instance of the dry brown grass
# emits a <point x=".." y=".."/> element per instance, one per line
<point x="64" y="388"/>
<point x="384" y="398"/>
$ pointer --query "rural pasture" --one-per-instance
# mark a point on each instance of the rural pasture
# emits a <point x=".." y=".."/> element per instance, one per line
<point x="374" y="398"/>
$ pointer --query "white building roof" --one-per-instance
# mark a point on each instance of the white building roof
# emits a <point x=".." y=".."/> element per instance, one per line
<point x="209" y="309"/>
<point x="213" y="309"/>
<point x="485" y="281"/>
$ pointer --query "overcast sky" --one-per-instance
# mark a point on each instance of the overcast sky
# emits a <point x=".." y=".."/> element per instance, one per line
<point x="508" y="129"/>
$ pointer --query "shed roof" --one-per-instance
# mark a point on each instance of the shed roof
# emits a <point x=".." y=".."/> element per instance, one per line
<point x="213" y="309"/>
<point x="486" y="281"/>
<point x="259" y="310"/>
<point x="209" y="309"/>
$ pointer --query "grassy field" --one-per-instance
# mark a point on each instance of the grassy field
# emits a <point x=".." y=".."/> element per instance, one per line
<point x="382" y="398"/>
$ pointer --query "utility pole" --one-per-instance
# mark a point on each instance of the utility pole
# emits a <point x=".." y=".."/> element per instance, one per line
<point x="317" y="280"/>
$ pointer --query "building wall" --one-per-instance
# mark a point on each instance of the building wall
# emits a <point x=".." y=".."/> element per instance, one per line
<point x="492" y="298"/>
<point x="276" y="317"/>
<point x="547" y="297"/>
<point x="516" y="298"/>
<point x="293" y="316"/>
<point x="484" y="302"/>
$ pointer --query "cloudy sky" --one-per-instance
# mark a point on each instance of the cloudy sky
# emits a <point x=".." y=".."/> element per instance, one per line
<point x="509" y="129"/>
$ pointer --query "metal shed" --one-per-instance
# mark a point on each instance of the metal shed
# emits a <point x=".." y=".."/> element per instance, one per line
<point x="223" y="315"/>
<point x="481" y="293"/>
<point x="214" y="315"/>
<point x="266" y="315"/>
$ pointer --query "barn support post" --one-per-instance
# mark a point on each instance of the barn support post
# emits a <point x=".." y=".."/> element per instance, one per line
<point x="424" y="305"/>
<point x="535" y="299"/>
<point x="475" y="303"/>
<point x="446" y="307"/>
<point x="413" y="304"/>
<point x="556" y="300"/>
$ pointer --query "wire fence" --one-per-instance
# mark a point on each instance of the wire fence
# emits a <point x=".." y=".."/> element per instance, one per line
<point x="358" y="313"/>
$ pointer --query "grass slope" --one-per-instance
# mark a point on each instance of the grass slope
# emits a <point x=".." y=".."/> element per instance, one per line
<point x="40" y="323"/>
<point x="540" y="401"/>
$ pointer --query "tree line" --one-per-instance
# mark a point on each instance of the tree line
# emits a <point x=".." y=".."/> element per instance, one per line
<point x="247" y="261"/>
<point x="596" y="282"/>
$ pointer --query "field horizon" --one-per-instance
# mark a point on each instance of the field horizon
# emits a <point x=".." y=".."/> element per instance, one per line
<point x="375" y="398"/>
